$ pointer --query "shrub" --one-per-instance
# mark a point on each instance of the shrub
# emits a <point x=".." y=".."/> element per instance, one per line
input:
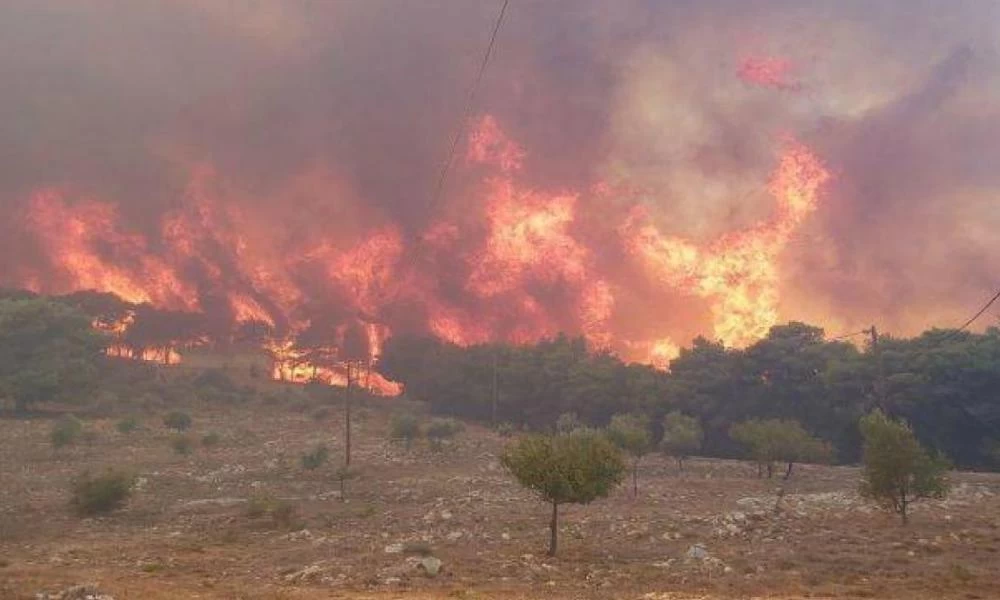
<point x="313" y="460"/>
<point x="281" y="512"/>
<point x="127" y="425"/>
<point x="404" y="427"/>
<point x="896" y="470"/>
<point x="102" y="494"/>
<point x="505" y="429"/>
<point x="568" y="423"/>
<point x="66" y="431"/>
<point x="576" y="468"/>
<point x="177" y="420"/>
<point x="182" y="445"/>
<point x="211" y="439"/>
<point x="440" y="430"/>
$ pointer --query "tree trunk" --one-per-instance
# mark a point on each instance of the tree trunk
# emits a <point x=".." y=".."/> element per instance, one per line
<point x="760" y="470"/>
<point x="680" y="464"/>
<point x="788" y="471"/>
<point x="903" y="511"/>
<point x="635" y="478"/>
<point x="770" y="470"/>
<point x="554" y="529"/>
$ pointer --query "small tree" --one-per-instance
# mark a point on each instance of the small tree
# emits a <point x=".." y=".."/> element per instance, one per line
<point x="440" y="430"/>
<point x="576" y="468"/>
<point x="785" y="440"/>
<point x="404" y="427"/>
<point x="630" y="432"/>
<point x="682" y="436"/>
<point x="896" y="470"/>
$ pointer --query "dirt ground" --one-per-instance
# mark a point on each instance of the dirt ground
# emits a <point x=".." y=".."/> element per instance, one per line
<point x="190" y="530"/>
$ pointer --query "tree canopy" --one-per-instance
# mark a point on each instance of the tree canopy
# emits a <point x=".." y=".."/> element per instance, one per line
<point x="940" y="381"/>
<point x="896" y="470"/>
<point x="576" y="468"/>
<point x="48" y="351"/>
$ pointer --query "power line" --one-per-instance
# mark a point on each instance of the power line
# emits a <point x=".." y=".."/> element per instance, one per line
<point x="849" y="335"/>
<point x="468" y="105"/>
<point x="972" y="320"/>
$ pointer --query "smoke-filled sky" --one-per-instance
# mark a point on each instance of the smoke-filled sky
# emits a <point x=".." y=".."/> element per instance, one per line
<point x="326" y="123"/>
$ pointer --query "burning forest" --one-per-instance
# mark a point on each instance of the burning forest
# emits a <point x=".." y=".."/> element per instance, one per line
<point x="639" y="194"/>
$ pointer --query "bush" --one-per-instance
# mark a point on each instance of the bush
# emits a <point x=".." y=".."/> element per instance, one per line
<point x="568" y="423"/>
<point x="505" y="429"/>
<point x="896" y="470"/>
<point x="177" y="420"/>
<point x="313" y="460"/>
<point x="211" y="439"/>
<point x="102" y="494"/>
<point x="127" y="425"/>
<point x="404" y="427"/>
<point x="281" y="512"/>
<point x="66" y="431"/>
<point x="182" y="445"/>
<point x="440" y="430"/>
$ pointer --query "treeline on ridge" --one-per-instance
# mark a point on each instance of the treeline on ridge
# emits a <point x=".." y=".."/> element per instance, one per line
<point x="944" y="382"/>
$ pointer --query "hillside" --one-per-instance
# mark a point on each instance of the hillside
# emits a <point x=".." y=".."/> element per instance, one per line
<point x="189" y="531"/>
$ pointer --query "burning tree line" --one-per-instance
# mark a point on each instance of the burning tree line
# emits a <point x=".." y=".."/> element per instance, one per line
<point x="941" y="381"/>
<point x="144" y="332"/>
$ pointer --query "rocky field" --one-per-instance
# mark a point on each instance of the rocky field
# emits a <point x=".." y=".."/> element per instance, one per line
<point x="244" y="519"/>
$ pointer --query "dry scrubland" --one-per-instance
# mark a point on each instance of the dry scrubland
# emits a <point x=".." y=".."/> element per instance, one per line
<point x="189" y="530"/>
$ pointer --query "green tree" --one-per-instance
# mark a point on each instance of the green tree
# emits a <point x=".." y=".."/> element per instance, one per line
<point x="896" y="470"/>
<point x="48" y="350"/>
<point x="785" y="440"/>
<point x="405" y="427"/>
<point x="576" y="469"/>
<point x="630" y="432"/>
<point x="682" y="436"/>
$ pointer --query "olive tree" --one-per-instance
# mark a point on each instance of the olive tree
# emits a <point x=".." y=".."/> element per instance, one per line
<point x="577" y="469"/>
<point x="682" y="436"/>
<point x="630" y="432"/>
<point x="896" y="470"/>
<point x="770" y="440"/>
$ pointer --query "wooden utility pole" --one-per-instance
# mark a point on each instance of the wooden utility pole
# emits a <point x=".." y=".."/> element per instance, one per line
<point x="495" y="392"/>
<point x="347" y="419"/>
<point x="879" y="390"/>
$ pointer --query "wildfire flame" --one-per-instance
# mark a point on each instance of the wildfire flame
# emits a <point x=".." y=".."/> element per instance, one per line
<point x="516" y="266"/>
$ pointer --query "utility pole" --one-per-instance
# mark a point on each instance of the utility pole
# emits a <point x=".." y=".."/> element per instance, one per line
<point x="347" y="418"/>
<point x="495" y="392"/>
<point x="879" y="390"/>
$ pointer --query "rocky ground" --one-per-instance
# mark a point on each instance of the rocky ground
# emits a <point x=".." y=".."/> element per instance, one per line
<point x="245" y="520"/>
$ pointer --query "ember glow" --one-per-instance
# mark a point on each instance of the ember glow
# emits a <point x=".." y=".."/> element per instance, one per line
<point x="633" y="172"/>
